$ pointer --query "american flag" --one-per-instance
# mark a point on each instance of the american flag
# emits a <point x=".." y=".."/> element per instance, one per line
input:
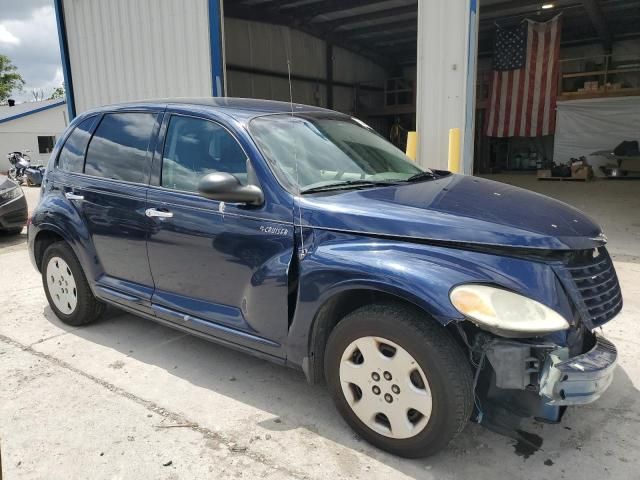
<point x="524" y="85"/>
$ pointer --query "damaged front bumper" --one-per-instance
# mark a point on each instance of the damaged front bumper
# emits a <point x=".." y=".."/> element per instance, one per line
<point x="578" y="380"/>
<point x="540" y="379"/>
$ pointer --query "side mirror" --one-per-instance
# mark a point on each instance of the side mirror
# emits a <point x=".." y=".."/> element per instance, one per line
<point x="224" y="187"/>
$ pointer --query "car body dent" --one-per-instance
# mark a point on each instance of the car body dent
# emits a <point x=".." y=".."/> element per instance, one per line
<point x="57" y="215"/>
<point x="418" y="273"/>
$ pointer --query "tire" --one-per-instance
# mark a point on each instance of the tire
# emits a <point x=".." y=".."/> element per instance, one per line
<point x="66" y="287"/>
<point x="394" y="330"/>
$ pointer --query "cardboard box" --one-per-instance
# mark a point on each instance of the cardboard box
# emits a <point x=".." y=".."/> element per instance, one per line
<point x="582" y="171"/>
<point x="591" y="86"/>
<point x="544" y="173"/>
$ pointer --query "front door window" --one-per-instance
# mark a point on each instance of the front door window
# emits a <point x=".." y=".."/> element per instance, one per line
<point x="194" y="148"/>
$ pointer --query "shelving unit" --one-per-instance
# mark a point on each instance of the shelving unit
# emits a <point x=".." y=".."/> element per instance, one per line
<point x="610" y="77"/>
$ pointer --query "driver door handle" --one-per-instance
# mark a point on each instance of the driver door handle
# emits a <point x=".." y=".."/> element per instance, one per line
<point x="73" y="196"/>
<point x="154" y="212"/>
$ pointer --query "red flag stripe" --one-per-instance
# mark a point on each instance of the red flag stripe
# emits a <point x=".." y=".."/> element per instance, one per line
<point x="491" y="113"/>
<point x="508" y="90"/>
<point x="519" y="101"/>
<point x="530" y="73"/>
<point x="550" y="80"/>
<point x="543" y="80"/>
<point x="526" y="88"/>
<point x="515" y="89"/>
<point x="553" y="96"/>
<point x="504" y="76"/>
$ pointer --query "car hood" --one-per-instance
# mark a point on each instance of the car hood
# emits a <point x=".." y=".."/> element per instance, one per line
<point x="455" y="209"/>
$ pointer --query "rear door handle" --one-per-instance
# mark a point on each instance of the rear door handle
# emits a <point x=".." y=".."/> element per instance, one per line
<point x="154" y="212"/>
<point x="73" y="196"/>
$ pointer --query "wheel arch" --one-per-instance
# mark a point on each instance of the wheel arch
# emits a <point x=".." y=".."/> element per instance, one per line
<point x="45" y="237"/>
<point x="337" y="306"/>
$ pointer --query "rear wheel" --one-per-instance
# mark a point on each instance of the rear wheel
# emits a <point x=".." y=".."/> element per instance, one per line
<point x="399" y="379"/>
<point x="66" y="287"/>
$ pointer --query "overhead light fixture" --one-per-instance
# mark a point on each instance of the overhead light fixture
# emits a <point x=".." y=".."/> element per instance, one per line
<point x="547" y="6"/>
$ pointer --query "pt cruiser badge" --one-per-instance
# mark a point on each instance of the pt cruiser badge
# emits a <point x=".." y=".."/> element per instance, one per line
<point x="274" y="230"/>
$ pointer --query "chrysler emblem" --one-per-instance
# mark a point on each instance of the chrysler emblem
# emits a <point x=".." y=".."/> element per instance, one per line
<point x="600" y="238"/>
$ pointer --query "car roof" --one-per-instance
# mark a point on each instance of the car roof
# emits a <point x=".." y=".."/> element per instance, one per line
<point x="242" y="109"/>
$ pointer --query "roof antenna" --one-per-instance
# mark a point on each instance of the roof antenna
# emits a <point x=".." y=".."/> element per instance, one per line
<point x="303" y="252"/>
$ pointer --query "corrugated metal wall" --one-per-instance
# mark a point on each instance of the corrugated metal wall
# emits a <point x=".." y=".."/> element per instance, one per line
<point x="123" y="50"/>
<point x="266" y="47"/>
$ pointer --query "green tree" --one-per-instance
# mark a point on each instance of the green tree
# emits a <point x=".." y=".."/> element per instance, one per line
<point x="10" y="79"/>
<point x="58" y="92"/>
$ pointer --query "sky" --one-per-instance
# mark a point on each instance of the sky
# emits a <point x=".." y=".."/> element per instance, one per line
<point x="29" y="37"/>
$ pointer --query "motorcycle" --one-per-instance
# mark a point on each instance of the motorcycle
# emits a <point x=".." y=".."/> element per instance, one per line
<point x="22" y="171"/>
<point x="34" y="175"/>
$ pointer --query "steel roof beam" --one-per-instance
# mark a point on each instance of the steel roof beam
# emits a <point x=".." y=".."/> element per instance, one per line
<point x="599" y="22"/>
<point x="523" y="7"/>
<point x="389" y="13"/>
<point x="310" y="11"/>
<point x="383" y="27"/>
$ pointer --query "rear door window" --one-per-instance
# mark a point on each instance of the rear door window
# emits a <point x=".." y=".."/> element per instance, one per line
<point x="119" y="148"/>
<point x="195" y="147"/>
<point x="71" y="157"/>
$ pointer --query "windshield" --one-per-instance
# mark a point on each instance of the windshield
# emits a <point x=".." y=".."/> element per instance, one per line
<point x="309" y="151"/>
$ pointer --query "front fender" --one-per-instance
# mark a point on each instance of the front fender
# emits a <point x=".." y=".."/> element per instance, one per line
<point x="418" y="273"/>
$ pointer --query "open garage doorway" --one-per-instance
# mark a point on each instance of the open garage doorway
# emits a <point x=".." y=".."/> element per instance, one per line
<point x="355" y="57"/>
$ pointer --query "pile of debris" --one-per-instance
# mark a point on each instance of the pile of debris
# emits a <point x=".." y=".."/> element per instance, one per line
<point x="577" y="169"/>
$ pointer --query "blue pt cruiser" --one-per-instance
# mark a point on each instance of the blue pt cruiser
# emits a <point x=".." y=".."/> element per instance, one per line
<point x="422" y="298"/>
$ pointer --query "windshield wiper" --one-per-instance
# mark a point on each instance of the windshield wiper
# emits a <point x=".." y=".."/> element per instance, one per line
<point x="348" y="184"/>
<point x="422" y="176"/>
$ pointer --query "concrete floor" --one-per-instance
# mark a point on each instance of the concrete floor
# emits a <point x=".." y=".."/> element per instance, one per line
<point x="613" y="204"/>
<point x="126" y="398"/>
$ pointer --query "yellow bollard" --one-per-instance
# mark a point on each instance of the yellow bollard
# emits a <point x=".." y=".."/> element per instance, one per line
<point x="412" y="145"/>
<point x="454" y="150"/>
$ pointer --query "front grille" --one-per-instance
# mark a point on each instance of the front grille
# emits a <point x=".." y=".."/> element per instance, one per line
<point x="597" y="285"/>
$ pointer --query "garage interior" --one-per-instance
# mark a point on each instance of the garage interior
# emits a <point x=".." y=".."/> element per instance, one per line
<point x="360" y="57"/>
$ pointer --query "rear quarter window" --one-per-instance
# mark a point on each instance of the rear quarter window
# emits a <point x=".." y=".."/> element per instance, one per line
<point x="119" y="148"/>
<point x="71" y="157"/>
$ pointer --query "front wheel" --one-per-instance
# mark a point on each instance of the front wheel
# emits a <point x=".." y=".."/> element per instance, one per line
<point x="399" y="379"/>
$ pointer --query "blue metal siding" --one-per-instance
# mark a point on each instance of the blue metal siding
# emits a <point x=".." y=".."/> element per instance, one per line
<point x="217" y="53"/>
<point x="64" y="56"/>
<point x="30" y="112"/>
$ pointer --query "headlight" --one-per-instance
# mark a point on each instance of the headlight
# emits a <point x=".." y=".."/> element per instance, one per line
<point x="505" y="313"/>
<point x="10" y="194"/>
